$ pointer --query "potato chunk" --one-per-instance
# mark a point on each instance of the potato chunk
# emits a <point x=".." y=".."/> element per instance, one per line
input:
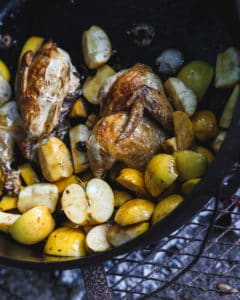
<point x="134" y="211"/>
<point x="33" y="43"/>
<point x="96" y="238"/>
<point x="92" y="85"/>
<point x="66" y="242"/>
<point x="120" y="197"/>
<point x="204" y="124"/>
<point x="118" y="235"/>
<point x="4" y="70"/>
<point x="78" y="137"/>
<point x="133" y="180"/>
<point x="165" y="207"/>
<point x="183" y="97"/>
<point x="228" y="111"/>
<point x="6" y="220"/>
<point x="190" y="164"/>
<point x="63" y="183"/>
<point x="160" y="173"/>
<point x="55" y="160"/>
<point x="170" y="145"/>
<point x="28" y="174"/>
<point x="96" y="47"/>
<point x="8" y="203"/>
<point x="79" y="109"/>
<point x="38" y="194"/>
<point x="228" y="68"/>
<point x="5" y="90"/>
<point x="33" y="226"/>
<point x="183" y="130"/>
<point x="189" y="185"/>
<point x="217" y="142"/>
<point x="197" y="75"/>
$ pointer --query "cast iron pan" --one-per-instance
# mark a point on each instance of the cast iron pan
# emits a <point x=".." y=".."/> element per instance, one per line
<point x="200" y="29"/>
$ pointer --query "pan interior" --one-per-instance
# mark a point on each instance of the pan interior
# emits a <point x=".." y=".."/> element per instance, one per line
<point x="200" y="29"/>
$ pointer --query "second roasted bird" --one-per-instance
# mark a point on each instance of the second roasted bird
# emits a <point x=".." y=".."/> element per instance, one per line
<point x="123" y="133"/>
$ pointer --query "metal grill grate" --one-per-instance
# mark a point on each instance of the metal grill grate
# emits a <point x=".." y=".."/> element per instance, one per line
<point x="201" y="258"/>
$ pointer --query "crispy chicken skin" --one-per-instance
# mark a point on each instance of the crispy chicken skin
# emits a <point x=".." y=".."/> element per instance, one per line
<point x="104" y="149"/>
<point x="134" y="90"/>
<point x="44" y="81"/>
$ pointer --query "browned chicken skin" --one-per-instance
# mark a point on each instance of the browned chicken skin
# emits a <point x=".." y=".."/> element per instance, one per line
<point x="123" y="134"/>
<point x="45" y="82"/>
<point x="134" y="90"/>
<point x="104" y="149"/>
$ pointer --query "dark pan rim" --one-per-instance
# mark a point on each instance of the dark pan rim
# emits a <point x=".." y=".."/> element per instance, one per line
<point x="207" y="188"/>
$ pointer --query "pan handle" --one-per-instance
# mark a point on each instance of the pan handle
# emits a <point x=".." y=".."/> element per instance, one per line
<point x="95" y="282"/>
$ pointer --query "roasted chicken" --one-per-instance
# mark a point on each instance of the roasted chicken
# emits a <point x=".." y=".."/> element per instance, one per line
<point x="123" y="133"/>
<point x="46" y="83"/>
<point x="134" y="90"/>
<point x="104" y="148"/>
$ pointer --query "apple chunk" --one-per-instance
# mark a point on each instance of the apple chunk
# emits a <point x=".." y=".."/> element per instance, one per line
<point x="96" y="239"/>
<point x="92" y="205"/>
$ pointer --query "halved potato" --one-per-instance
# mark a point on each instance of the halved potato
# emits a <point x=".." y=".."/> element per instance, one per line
<point x="134" y="211"/>
<point x="160" y="173"/>
<point x="96" y="47"/>
<point x="92" y="205"/>
<point x="165" y="206"/>
<point x="118" y="235"/>
<point x="183" y="98"/>
<point x="38" y="194"/>
<point x="92" y="85"/>
<point x="96" y="239"/>
<point x="66" y="242"/>
<point x="55" y="160"/>
<point x="7" y="220"/>
<point x="33" y="226"/>
<point x="78" y="136"/>
<point x="183" y="130"/>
